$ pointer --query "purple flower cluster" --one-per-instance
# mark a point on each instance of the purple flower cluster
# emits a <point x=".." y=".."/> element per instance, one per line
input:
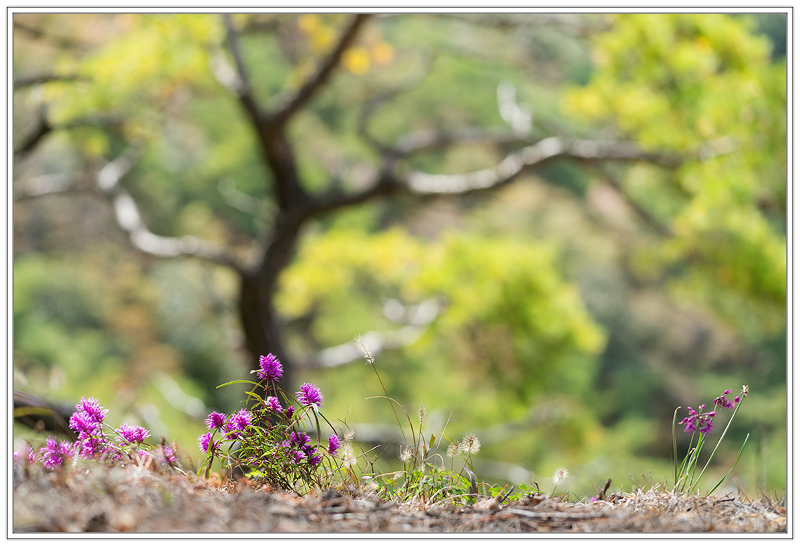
<point x="55" y="453"/>
<point x="26" y="453"/>
<point x="725" y="403"/>
<point x="333" y="444"/>
<point x="206" y="442"/>
<point x="167" y="454"/>
<point x="698" y="419"/>
<point x="133" y="434"/>
<point x="87" y="421"/>
<point x="703" y="421"/>
<point x="274" y="405"/>
<point x="270" y="368"/>
<point x="215" y="420"/>
<point x="236" y="423"/>
<point x="310" y="394"/>
<point x="302" y="449"/>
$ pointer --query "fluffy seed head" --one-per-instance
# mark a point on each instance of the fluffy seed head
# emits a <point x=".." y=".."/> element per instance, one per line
<point x="560" y="475"/>
<point x="453" y="449"/>
<point x="470" y="444"/>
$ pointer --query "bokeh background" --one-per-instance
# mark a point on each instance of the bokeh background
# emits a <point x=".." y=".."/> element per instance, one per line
<point x="561" y="317"/>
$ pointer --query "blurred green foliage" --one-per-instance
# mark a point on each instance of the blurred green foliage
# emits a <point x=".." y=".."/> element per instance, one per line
<point x="569" y="330"/>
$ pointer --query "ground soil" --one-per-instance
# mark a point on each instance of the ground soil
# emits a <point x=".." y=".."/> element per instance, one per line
<point x="132" y="499"/>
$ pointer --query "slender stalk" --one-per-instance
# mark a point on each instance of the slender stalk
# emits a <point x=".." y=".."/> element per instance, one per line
<point x="675" y="447"/>
<point x="715" y="447"/>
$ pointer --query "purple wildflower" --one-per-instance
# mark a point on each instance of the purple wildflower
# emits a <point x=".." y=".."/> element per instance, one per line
<point x="55" y="453"/>
<point x="26" y="453"/>
<point x="724" y="402"/>
<point x="92" y="407"/>
<point x="132" y="433"/>
<point x="85" y="424"/>
<point x="206" y="441"/>
<point x="167" y="454"/>
<point x="309" y="394"/>
<point x="274" y="405"/>
<point x="698" y="419"/>
<point x="90" y="447"/>
<point x="593" y="499"/>
<point x="314" y="460"/>
<point x="299" y="438"/>
<point x="333" y="444"/>
<point x="271" y="368"/>
<point x="242" y="418"/>
<point x="237" y="422"/>
<point x="289" y="412"/>
<point x="297" y="456"/>
<point x="706" y="425"/>
<point x="215" y="420"/>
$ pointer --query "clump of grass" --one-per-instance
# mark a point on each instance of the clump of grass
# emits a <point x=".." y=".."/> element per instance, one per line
<point x="425" y="478"/>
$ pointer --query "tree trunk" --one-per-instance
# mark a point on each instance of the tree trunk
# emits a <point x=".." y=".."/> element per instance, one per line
<point x="260" y="321"/>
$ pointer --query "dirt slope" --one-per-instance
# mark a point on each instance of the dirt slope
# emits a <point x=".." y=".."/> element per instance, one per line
<point x="138" y="500"/>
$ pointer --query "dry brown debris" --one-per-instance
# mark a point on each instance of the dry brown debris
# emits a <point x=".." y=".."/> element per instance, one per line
<point x="133" y="499"/>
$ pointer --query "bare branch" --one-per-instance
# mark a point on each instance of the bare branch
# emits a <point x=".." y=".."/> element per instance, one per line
<point x="44" y="128"/>
<point x="29" y="143"/>
<point x="375" y="341"/>
<point x="426" y="141"/>
<point x="46" y="78"/>
<point x="544" y="151"/>
<point x="307" y="91"/>
<point x="240" y="82"/>
<point x="644" y="215"/>
<point x="384" y="186"/>
<point x="129" y="219"/>
<point x="415" y="317"/>
<point x="46" y="184"/>
<point x="519" y="118"/>
<point x="61" y="42"/>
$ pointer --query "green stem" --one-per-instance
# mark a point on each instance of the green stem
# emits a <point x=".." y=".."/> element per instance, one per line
<point x="715" y="447"/>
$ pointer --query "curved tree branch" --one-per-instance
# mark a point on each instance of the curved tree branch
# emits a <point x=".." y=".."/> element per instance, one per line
<point x="644" y="215"/>
<point x="307" y="91"/>
<point x="414" y="317"/>
<point x="240" y="83"/>
<point x="427" y="141"/>
<point x="62" y="42"/>
<point x="129" y="219"/>
<point x="544" y="151"/>
<point x="22" y="83"/>
<point x="44" y="128"/>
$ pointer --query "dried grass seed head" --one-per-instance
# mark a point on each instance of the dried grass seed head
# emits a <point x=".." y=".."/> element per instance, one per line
<point x="367" y="355"/>
<point x="470" y="445"/>
<point x="560" y="475"/>
<point x="453" y="449"/>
